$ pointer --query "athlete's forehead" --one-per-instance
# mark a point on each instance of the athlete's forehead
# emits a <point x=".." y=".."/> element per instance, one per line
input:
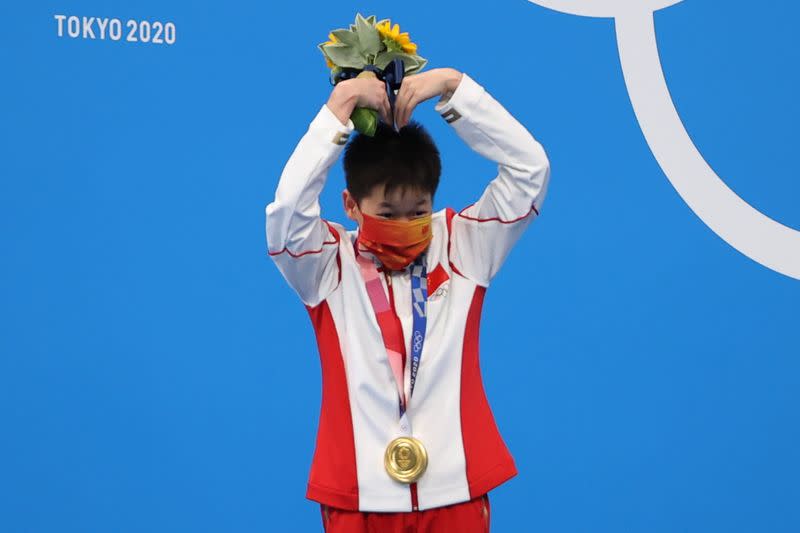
<point x="383" y="195"/>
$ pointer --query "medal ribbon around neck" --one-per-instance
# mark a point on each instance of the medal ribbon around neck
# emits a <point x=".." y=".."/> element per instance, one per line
<point x="391" y="331"/>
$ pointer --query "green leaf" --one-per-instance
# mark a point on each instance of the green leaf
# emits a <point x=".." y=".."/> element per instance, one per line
<point x="392" y="45"/>
<point x="345" y="55"/>
<point x="346" y="36"/>
<point x="410" y="61"/>
<point x="368" y="37"/>
<point x="359" y="18"/>
<point x="421" y="62"/>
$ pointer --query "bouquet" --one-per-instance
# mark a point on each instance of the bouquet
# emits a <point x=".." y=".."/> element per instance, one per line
<point x="371" y="49"/>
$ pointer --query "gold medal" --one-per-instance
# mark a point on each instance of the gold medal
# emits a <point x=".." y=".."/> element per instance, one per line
<point x="405" y="459"/>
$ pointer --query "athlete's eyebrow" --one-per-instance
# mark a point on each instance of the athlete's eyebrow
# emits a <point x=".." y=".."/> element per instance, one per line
<point x="387" y="204"/>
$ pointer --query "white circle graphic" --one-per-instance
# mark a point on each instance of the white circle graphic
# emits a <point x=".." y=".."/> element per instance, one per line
<point x="749" y="231"/>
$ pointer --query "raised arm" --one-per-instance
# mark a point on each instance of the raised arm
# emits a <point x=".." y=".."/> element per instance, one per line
<point x="303" y="245"/>
<point x="484" y="232"/>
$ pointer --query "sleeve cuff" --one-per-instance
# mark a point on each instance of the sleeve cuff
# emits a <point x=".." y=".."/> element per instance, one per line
<point x="331" y="127"/>
<point x="462" y="101"/>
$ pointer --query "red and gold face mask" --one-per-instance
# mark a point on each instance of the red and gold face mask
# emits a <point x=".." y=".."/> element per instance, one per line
<point x="395" y="242"/>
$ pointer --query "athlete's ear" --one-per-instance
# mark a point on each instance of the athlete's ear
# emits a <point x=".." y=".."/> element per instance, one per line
<point x="350" y="206"/>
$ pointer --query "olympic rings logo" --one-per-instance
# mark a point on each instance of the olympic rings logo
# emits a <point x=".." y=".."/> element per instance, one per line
<point x="742" y="226"/>
<point x="417" y="341"/>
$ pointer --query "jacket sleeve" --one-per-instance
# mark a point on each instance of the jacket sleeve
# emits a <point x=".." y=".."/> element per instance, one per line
<point x="302" y="244"/>
<point x="483" y="233"/>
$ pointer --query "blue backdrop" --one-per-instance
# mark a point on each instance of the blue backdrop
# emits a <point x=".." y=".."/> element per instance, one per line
<point x="157" y="373"/>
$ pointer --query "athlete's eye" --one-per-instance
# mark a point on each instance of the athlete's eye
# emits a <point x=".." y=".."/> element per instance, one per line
<point x="385" y="215"/>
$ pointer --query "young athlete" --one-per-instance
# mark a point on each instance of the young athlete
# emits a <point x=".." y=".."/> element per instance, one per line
<point x="406" y="439"/>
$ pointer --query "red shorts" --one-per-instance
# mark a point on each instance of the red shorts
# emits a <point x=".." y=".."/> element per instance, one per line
<point x="466" y="517"/>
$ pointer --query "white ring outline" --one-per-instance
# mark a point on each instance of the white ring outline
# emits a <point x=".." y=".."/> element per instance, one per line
<point x="742" y="226"/>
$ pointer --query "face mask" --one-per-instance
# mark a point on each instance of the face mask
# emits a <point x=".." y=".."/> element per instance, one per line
<point x="396" y="243"/>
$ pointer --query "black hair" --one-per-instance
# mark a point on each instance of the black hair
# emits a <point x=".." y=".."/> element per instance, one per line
<point x="408" y="158"/>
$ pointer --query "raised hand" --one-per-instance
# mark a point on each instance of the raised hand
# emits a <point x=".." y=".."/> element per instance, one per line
<point x="368" y="92"/>
<point x="420" y="87"/>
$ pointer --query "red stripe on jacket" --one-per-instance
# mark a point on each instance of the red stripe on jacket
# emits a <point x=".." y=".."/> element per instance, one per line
<point x="489" y="463"/>
<point x="333" y="478"/>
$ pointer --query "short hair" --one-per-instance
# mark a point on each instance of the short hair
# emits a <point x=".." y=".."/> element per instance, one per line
<point x="407" y="159"/>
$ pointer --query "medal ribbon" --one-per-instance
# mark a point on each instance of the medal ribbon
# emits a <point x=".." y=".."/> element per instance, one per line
<point x="391" y="331"/>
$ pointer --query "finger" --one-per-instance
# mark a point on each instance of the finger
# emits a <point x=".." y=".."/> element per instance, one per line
<point x="383" y="102"/>
<point x="408" y="105"/>
<point x="399" y="102"/>
<point x="399" y="112"/>
<point x="411" y="102"/>
<point x="372" y="93"/>
<point x="376" y="100"/>
<point x="387" y="109"/>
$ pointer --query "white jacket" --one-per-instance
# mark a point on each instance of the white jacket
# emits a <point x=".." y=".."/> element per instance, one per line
<point x="448" y="412"/>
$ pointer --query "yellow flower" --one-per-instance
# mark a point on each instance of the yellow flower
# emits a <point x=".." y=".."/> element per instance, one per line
<point x="393" y="32"/>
